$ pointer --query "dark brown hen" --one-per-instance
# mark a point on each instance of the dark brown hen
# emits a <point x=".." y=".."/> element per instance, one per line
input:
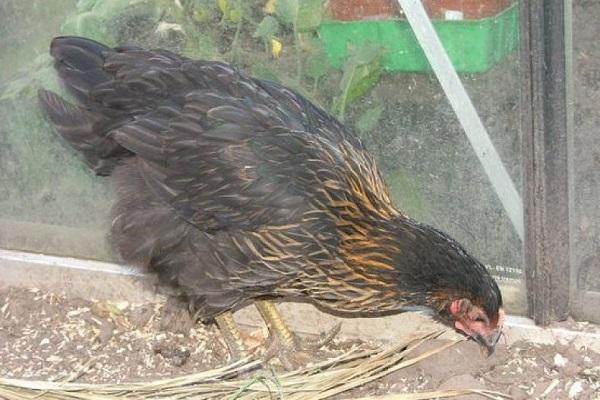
<point x="235" y="189"/>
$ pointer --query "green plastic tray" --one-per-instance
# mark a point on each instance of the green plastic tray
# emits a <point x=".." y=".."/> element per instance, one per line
<point x="473" y="45"/>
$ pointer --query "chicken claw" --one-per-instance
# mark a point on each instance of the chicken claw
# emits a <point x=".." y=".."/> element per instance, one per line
<point x="284" y="345"/>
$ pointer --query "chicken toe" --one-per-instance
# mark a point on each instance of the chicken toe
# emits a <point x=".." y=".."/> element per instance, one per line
<point x="285" y="345"/>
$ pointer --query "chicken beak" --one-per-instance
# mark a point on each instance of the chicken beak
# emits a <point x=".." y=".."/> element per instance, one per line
<point x="489" y="341"/>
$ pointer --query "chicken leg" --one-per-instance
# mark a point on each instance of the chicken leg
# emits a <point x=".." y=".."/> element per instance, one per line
<point x="284" y="344"/>
<point x="232" y="336"/>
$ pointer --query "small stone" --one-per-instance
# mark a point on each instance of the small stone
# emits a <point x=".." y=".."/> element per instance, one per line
<point x="560" y="361"/>
<point x="575" y="389"/>
<point x="121" y="305"/>
<point x="174" y="356"/>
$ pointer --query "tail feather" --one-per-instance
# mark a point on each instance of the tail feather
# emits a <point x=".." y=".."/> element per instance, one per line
<point x="79" y="63"/>
<point x="78" y="53"/>
<point x="63" y="114"/>
<point x="86" y="127"/>
<point x="79" y="127"/>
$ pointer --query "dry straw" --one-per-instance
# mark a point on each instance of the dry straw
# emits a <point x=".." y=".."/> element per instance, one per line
<point x="324" y="380"/>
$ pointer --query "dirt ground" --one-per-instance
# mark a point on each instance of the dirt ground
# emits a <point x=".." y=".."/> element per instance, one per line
<point x="53" y="337"/>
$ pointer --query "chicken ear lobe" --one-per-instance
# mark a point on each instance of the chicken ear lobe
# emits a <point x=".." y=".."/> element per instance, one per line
<point x="459" y="308"/>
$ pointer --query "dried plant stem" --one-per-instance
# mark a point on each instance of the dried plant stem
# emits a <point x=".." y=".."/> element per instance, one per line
<point x="316" y="382"/>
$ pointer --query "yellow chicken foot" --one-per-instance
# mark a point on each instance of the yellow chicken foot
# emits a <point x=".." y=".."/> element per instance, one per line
<point x="284" y="344"/>
<point x="232" y="336"/>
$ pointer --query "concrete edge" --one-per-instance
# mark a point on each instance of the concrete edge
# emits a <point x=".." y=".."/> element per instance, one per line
<point x="103" y="281"/>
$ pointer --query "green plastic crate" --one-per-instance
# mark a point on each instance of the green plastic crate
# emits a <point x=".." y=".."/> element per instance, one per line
<point x="473" y="45"/>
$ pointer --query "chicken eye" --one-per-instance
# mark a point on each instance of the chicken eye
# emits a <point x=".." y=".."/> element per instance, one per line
<point x="480" y="318"/>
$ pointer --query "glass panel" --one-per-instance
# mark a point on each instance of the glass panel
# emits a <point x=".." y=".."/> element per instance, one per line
<point x="585" y="155"/>
<point x="48" y="201"/>
<point x="379" y="84"/>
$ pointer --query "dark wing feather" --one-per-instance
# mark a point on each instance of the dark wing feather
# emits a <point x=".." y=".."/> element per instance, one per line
<point x="228" y="172"/>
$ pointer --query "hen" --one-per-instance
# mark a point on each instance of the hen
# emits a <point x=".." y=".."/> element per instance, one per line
<point x="238" y="190"/>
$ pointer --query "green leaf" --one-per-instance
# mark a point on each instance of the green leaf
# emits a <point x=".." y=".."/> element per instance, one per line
<point x="303" y="15"/>
<point x="369" y="119"/>
<point x="267" y="29"/>
<point x="362" y="70"/>
<point x="309" y="15"/>
<point x="287" y="11"/>
<point x="232" y="10"/>
<point x="317" y="63"/>
<point x="223" y="5"/>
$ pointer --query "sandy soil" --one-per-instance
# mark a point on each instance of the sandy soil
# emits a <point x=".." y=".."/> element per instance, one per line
<point x="53" y="337"/>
